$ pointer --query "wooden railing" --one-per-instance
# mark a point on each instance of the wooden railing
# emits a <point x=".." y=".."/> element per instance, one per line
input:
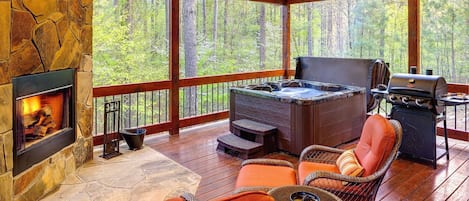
<point x="147" y="104"/>
<point x="457" y="116"/>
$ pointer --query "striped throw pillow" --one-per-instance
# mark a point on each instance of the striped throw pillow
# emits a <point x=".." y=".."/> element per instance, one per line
<point x="349" y="165"/>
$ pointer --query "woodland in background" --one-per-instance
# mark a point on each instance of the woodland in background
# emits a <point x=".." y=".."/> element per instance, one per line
<point x="130" y="38"/>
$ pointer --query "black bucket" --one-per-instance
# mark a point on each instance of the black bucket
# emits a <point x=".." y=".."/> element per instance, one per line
<point x="134" y="137"/>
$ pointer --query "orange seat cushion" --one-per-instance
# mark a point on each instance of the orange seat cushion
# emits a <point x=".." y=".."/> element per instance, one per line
<point x="248" y="196"/>
<point x="305" y="168"/>
<point x="265" y="175"/>
<point x="375" y="144"/>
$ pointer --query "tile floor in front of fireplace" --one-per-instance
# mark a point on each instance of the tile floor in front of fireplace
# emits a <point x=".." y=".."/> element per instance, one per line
<point x="140" y="175"/>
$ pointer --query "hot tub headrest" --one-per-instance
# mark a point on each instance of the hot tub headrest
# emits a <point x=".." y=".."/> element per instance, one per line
<point x="366" y="73"/>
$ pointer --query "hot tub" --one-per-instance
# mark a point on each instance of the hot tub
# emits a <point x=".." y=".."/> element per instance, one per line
<point x="304" y="112"/>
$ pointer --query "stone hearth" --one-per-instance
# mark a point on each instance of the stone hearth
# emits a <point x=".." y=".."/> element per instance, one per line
<point x="37" y="37"/>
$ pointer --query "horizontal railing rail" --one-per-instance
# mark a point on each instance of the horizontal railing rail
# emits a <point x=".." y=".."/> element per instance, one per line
<point x="205" y="99"/>
<point x="457" y="117"/>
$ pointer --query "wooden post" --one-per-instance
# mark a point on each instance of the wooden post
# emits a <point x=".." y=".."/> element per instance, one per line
<point x="414" y="34"/>
<point x="174" y="66"/>
<point x="285" y="40"/>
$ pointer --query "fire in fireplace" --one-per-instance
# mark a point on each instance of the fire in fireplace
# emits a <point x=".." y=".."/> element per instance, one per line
<point x="43" y="117"/>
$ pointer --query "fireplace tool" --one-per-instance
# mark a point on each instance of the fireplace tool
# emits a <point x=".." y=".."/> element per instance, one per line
<point x="111" y="137"/>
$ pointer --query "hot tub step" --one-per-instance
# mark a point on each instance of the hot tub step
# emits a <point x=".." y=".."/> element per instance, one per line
<point x="253" y="127"/>
<point x="245" y="149"/>
<point x="256" y="132"/>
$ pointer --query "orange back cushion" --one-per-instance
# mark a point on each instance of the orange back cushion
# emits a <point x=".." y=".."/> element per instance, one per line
<point x="375" y="145"/>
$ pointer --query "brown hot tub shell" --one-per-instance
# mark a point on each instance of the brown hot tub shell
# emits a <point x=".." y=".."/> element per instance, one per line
<point x="328" y="120"/>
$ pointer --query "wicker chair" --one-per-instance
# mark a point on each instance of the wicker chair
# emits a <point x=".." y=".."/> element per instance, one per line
<point x="348" y="187"/>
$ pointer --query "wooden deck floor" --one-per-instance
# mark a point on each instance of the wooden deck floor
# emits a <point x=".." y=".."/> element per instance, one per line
<point x="195" y="148"/>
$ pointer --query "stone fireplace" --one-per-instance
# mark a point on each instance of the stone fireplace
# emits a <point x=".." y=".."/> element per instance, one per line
<point x="43" y="38"/>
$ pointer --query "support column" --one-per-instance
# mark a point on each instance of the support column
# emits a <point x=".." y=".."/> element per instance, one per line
<point x="174" y="66"/>
<point x="414" y="34"/>
<point x="285" y="40"/>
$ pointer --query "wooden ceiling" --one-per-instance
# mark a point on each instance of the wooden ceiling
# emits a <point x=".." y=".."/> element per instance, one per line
<point x="285" y="2"/>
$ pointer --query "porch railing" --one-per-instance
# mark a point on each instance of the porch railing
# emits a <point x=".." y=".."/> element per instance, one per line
<point x="205" y="99"/>
<point x="146" y="105"/>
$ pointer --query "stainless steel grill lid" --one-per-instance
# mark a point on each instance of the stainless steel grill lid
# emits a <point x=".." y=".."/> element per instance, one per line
<point x="417" y="90"/>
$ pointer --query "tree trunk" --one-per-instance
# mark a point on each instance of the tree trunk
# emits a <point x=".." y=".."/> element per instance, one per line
<point x="215" y="28"/>
<point x="339" y="30"/>
<point x="190" y="52"/>
<point x="130" y="17"/>
<point x="204" y="18"/>
<point x="323" y="47"/>
<point x="330" y="35"/>
<point x="225" y="24"/>
<point x="262" y="37"/>
<point x="167" y="2"/>
<point x="117" y="13"/>
<point x="382" y="30"/>
<point x="361" y="36"/>
<point x="349" y="24"/>
<point x="453" y="62"/>
<point x="310" y="31"/>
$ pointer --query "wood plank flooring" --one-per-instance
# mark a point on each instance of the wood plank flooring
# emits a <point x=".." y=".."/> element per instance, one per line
<point x="195" y="148"/>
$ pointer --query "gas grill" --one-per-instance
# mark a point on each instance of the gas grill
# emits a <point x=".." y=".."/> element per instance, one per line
<point x="418" y="91"/>
<point x="417" y="105"/>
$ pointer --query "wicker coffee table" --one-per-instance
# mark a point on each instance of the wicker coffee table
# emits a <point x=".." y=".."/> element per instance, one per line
<point x="283" y="193"/>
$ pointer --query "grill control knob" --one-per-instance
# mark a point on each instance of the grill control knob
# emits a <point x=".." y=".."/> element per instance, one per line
<point x="420" y="102"/>
<point x="405" y="100"/>
<point x="392" y="98"/>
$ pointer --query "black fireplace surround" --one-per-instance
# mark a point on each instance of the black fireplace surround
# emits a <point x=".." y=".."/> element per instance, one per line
<point x="30" y="85"/>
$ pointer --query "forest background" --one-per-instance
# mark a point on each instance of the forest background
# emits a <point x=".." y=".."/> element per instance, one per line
<point x="130" y="37"/>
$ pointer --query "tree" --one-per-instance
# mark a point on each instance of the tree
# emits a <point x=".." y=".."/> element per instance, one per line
<point x="204" y="17"/>
<point x="190" y="51"/>
<point x="262" y="37"/>
<point x="310" y="29"/>
<point x="215" y="28"/>
<point x="225" y="24"/>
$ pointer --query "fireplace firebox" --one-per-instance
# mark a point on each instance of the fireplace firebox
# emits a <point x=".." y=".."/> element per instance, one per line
<point x="44" y="116"/>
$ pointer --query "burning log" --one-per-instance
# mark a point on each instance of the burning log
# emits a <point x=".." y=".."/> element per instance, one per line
<point x="40" y="121"/>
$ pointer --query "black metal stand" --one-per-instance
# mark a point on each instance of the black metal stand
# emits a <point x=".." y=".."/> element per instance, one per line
<point x="419" y="133"/>
<point x="111" y="136"/>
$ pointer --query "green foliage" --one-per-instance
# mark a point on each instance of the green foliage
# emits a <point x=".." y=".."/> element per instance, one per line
<point x="130" y="41"/>
<point x="445" y="38"/>
<point x="127" y="47"/>
<point x="378" y="29"/>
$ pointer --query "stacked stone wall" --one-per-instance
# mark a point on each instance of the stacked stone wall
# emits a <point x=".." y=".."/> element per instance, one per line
<point x="36" y="37"/>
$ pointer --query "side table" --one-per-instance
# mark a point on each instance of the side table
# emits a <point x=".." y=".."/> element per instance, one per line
<point x="283" y="193"/>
